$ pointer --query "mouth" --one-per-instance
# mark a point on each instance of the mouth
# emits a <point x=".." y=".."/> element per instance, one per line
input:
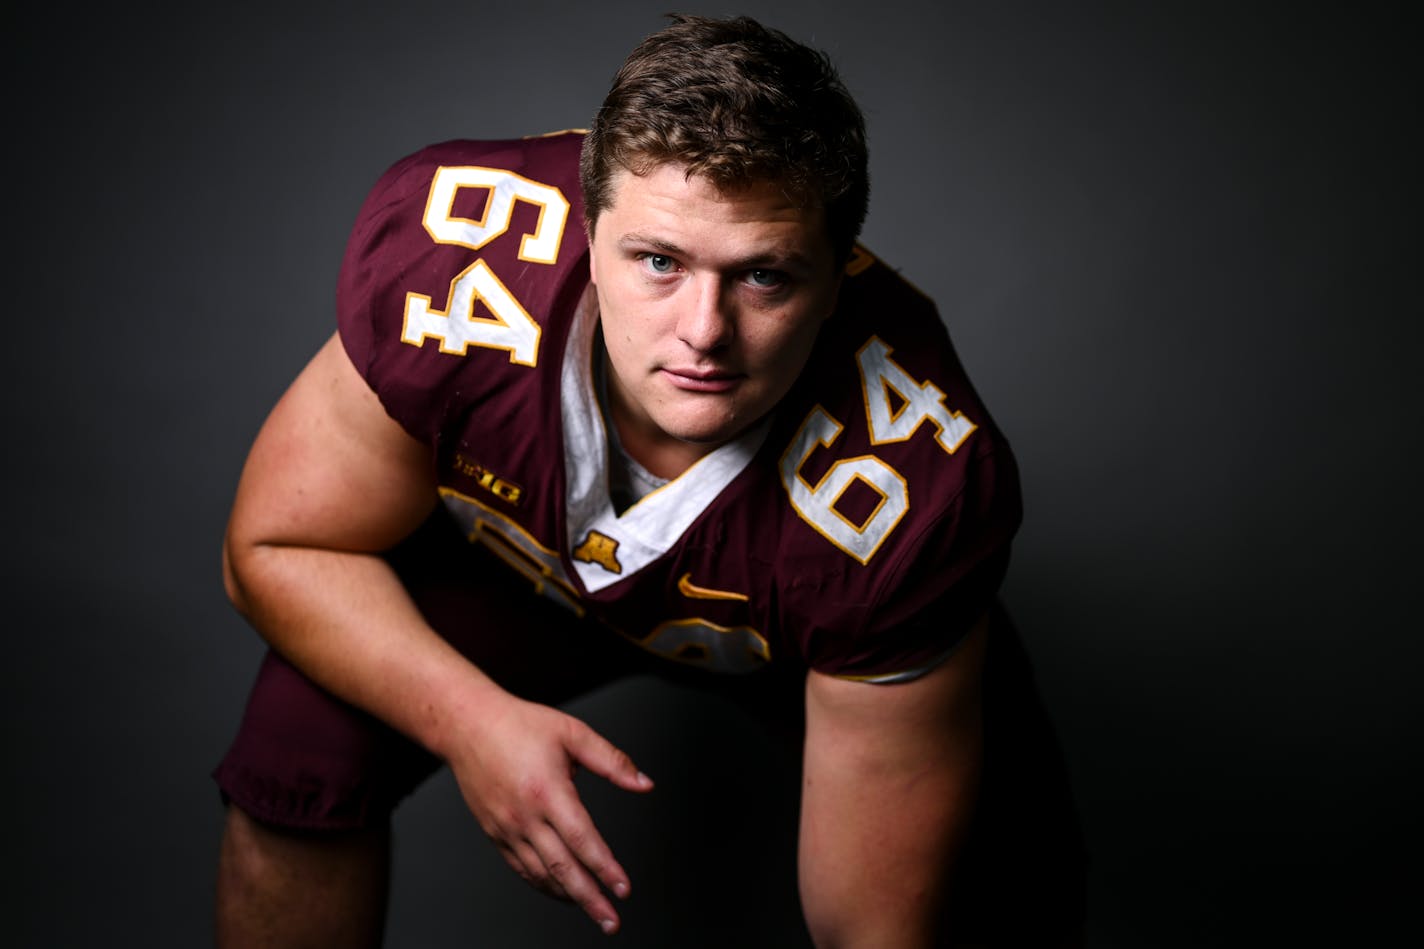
<point x="690" y="379"/>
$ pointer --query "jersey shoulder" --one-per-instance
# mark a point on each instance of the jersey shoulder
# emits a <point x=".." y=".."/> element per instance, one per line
<point x="901" y="493"/>
<point x="466" y="256"/>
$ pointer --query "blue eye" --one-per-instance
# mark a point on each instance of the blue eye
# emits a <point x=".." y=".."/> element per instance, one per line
<point x="659" y="263"/>
<point x="766" y="279"/>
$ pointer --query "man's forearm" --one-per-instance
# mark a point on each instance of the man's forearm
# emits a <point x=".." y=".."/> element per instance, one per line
<point x="890" y="781"/>
<point x="876" y="855"/>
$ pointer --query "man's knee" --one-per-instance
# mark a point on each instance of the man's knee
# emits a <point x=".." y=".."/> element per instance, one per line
<point x="256" y="850"/>
<point x="297" y="887"/>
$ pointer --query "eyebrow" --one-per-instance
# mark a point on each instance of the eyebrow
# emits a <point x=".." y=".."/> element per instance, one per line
<point x="643" y="242"/>
<point x="774" y="258"/>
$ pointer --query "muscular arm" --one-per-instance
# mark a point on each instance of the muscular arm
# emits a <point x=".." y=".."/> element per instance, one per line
<point x="332" y="481"/>
<point x="890" y="778"/>
<point x="329" y="483"/>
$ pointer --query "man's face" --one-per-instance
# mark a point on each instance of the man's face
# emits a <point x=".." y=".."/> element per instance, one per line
<point x="710" y="303"/>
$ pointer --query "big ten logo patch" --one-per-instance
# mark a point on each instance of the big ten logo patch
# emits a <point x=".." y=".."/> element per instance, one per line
<point x="504" y="490"/>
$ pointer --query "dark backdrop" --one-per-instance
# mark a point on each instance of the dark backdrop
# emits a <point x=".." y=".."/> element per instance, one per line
<point x="1176" y="248"/>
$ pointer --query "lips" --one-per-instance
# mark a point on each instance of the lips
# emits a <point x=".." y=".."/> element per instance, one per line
<point x="701" y="380"/>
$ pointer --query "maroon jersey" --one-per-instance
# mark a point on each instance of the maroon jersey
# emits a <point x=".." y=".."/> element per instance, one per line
<point x="859" y="530"/>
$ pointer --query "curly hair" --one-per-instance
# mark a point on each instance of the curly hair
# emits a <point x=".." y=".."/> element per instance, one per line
<point x="734" y="102"/>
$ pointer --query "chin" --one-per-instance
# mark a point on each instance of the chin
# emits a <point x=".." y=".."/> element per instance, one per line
<point x="699" y="435"/>
<point x="706" y="433"/>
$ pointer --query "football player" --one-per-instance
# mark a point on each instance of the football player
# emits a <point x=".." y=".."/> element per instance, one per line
<point x="609" y="403"/>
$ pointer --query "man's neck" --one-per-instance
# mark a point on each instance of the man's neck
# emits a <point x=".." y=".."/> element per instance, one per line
<point x="660" y="454"/>
<point x="649" y="446"/>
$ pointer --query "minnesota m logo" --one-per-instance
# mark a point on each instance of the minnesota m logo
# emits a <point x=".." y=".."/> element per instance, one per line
<point x="600" y="549"/>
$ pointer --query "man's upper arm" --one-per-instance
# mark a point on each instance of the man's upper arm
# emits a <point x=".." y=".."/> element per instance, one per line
<point x="890" y="779"/>
<point x="330" y="468"/>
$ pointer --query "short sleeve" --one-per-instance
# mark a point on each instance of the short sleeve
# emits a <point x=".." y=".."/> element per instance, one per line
<point x="436" y="299"/>
<point x="934" y="494"/>
<point x="948" y="579"/>
<point x="388" y="255"/>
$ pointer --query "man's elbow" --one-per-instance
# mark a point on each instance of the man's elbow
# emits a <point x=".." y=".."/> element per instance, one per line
<point x="872" y="929"/>
<point x="231" y="584"/>
<point x="828" y="930"/>
<point x="898" y="909"/>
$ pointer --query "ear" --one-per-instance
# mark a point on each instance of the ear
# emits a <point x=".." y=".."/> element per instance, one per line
<point x="835" y="295"/>
<point x="588" y="236"/>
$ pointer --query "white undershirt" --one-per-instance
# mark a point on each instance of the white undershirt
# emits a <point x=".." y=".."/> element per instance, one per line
<point x="628" y="481"/>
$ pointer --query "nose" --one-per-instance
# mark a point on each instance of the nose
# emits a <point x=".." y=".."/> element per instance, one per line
<point x="706" y="322"/>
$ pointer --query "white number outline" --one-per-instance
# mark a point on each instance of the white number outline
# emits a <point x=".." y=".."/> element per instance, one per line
<point x="735" y="649"/>
<point x="815" y="504"/>
<point x="888" y="426"/>
<point x="456" y="328"/>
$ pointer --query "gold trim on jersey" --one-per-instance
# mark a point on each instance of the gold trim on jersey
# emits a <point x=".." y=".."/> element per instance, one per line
<point x="907" y="675"/>
<point x="541" y="246"/>
<point x="692" y="591"/>
<point x="815" y="504"/>
<point x="509" y="541"/>
<point x="920" y="402"/>
<point x="859" y="262"/>
<point x="700" y="642"/>
<point x="889" y="678"/>
<point x="456" y="328"/>
<point x="865" y="521"/>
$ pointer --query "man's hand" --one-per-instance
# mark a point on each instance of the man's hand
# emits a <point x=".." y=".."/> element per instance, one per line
<point x="515" y="769"/>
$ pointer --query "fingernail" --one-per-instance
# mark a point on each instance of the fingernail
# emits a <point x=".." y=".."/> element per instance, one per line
<point x="644" y="780"/>
<point x="621" y="890"/>
<point x="607" y="926"/>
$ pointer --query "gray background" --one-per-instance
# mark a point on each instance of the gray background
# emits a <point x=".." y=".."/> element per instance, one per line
<point x="1176" y="246"/>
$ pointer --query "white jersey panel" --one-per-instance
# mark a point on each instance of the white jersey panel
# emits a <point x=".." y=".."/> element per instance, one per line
<point x="603" y="546"/>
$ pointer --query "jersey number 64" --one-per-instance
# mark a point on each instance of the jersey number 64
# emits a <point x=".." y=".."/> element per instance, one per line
<point x="915" y="404"/>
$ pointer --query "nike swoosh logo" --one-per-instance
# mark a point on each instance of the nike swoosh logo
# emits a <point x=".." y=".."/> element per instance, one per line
<point x="687" y="588"/>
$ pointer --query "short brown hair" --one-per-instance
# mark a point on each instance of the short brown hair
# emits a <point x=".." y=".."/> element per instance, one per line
<point x="735" y="102"/>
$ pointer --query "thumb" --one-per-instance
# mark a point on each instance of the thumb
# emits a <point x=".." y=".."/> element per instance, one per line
<point x="604" y="759"/>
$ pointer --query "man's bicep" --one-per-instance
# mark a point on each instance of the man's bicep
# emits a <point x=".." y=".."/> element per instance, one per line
<point x="945" y="697"/>
<point x="330" y="468"/>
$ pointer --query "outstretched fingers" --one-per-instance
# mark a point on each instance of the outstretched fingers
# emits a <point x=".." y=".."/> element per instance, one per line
<point x="563" y="854"/>
<point x="520" y="786"/>
<point x="525" y="861"/>
<point x="576" y="855"/>
<point x="576" y="830"/>
<point x="607" y="760"/>
<point x="571" y="873"/>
